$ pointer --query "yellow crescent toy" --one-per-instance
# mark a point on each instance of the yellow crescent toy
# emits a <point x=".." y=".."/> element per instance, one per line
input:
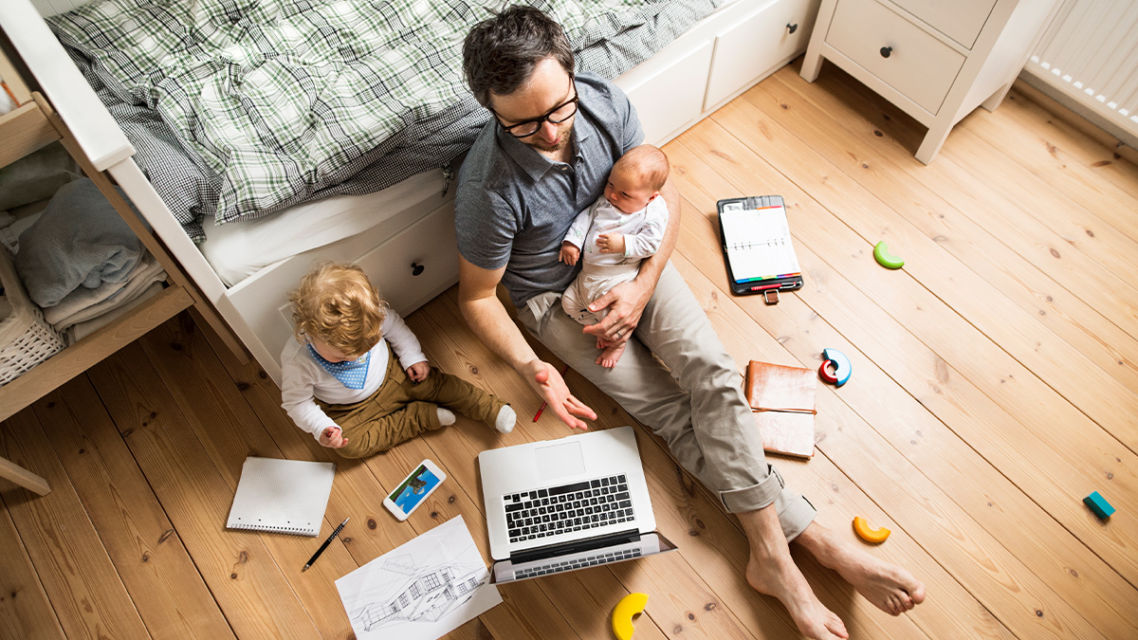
<point x="629" y="606"/>
<point x="875" y="536"/>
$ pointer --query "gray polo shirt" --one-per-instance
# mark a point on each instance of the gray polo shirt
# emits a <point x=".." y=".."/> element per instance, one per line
<point x="513" y="205"/>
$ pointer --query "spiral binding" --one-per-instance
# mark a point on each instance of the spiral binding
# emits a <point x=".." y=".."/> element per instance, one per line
<point x="260" y="526"/>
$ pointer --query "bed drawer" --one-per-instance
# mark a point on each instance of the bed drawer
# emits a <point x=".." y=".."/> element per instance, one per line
<point x="408" y="267"/>
<point x="757" y="44"/>
<point x="417" y="263"/>
<point x="898" y="52"/>
<point x="669" y="99"/>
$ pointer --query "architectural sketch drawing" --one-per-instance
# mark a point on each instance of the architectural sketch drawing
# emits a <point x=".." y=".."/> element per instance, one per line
<point x="427" y="594"/>
<point x="422" y="589"/>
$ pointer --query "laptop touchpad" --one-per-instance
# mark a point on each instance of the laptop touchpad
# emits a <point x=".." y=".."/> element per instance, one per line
<point x="559" y="460"/>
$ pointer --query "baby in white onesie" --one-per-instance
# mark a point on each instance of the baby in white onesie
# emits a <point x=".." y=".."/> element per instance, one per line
<point x="619" y="230"/>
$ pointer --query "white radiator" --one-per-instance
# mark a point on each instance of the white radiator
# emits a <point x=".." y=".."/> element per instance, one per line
<point x="1089" y="53"/>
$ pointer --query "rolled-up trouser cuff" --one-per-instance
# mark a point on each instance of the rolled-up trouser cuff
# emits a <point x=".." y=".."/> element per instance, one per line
<point x="754" y="497"/>
<point x="795" y="512"/>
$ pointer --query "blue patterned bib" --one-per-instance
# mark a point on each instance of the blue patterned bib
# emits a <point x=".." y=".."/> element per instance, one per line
<point x="351" y="373"/>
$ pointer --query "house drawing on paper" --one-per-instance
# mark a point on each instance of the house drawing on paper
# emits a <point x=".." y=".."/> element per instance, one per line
<point x="422" y="594"/>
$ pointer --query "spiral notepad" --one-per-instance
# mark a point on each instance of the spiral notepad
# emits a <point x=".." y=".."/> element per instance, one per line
<point x="284" y="496"/>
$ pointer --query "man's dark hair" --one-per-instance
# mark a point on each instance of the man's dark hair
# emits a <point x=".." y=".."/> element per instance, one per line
<point x="499" y="53"/>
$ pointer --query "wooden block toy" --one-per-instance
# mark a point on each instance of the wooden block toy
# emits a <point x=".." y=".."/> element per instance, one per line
<point x="1099" y="505"/>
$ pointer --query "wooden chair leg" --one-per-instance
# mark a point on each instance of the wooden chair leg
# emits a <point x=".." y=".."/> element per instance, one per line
<point x="11" y="471"/>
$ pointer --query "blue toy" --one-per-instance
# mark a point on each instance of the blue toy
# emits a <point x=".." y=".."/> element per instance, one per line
<point x="1099" y="505"/>
<point x="841" y="364"/>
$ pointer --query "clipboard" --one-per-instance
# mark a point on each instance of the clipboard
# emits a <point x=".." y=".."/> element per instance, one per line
<point x="754" y="235"/>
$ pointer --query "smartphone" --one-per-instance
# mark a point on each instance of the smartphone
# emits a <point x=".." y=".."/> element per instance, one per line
<point x="414" y="489"/>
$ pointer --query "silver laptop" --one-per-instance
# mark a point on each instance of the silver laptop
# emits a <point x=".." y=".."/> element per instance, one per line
<point x="566" y="504"/>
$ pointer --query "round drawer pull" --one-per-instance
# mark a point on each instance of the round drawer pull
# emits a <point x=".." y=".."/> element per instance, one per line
<point x="886" y="51"/>
<point x="791" y="28"/>
<point x="416" y="268"/>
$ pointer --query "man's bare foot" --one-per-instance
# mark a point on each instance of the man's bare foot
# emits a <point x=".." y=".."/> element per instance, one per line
<point x="779" y="577"/>
<point x="890" y="587"/>
<point x="611" y="355"/>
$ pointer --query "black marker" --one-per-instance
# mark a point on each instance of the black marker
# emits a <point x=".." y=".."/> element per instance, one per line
<point x="324" y="546"/>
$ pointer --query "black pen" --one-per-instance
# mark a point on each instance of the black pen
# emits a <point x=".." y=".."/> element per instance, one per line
<point x="324" y="546"/>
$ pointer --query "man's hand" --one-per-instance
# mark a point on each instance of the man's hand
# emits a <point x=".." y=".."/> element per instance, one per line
<point x="550" y="385"/>
<point x="625" y="302"/>
<point x="569" y="253"/>
<point x="610" y="242"/>
<point x="332" y="437"/>
<point x="418" y="371"/>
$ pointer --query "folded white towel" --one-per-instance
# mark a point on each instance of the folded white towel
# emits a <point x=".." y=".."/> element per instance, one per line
<point x="83" y="329"/>
<point x="134" y="288"/>
<point x="82" y="297"/>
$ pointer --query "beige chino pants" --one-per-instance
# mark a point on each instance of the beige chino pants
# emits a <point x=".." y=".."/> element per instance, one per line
<point x="693" y="401"/>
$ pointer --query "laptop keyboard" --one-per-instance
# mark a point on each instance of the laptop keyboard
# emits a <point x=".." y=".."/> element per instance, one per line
<point x="588" y="504"/>
<point x="567" y="565"/>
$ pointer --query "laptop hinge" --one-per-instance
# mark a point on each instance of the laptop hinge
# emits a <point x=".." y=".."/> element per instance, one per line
<point x="577" y="546"/>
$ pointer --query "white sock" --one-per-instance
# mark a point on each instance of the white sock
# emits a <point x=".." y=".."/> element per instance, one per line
<point x="446" y="416"/>
<point x="506" y="419"/>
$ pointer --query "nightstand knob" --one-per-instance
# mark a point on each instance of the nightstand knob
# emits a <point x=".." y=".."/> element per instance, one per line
<point x="885" y="51"/>
<point x="416" y="268"/>
<point x="791" y="28"/>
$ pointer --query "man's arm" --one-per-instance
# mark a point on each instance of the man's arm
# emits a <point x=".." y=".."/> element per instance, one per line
<point x="627" y="300"/>
<point x="478" y="300"/>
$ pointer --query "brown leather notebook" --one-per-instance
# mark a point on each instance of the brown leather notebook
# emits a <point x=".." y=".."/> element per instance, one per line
<point x="782" y="399"/>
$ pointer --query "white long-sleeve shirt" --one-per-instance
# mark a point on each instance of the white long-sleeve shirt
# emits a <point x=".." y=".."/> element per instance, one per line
<point x="643" y="231"/>
<point x="303" y="379"/>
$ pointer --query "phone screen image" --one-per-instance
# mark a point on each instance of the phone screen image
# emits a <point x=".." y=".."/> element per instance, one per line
<point x="414" y="489"/>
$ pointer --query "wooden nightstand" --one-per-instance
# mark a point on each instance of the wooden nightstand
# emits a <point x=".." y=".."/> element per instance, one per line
<point x="937" y="61"/>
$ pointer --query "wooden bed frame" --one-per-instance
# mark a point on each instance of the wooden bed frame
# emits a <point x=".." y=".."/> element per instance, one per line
<point x="410" y="252"/>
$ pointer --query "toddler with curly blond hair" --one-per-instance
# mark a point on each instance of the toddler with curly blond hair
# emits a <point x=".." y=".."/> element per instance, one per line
<point x="356" y="377"/>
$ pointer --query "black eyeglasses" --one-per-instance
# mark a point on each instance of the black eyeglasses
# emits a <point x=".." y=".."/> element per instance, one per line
<point x="556" y="115"/>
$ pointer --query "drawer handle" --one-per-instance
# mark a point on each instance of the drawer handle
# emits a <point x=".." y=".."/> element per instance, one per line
<point x="791" y="28"/>
<point x="885" y="51"/>
<point x="416" y="268"/>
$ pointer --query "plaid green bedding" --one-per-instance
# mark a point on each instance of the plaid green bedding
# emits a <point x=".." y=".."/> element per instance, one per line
<point x="276" y="100"/>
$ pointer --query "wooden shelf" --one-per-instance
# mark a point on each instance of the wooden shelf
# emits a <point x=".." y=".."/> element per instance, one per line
<point x="77" y="358"/>
<point x="25" y="130"/>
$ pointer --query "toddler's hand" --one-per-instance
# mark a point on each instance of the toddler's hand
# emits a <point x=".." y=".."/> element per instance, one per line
<point x="610" y="242"/>
<point x="418" y="371"/>
<point x="332" y="437"/>
<point x="569" y="253"/>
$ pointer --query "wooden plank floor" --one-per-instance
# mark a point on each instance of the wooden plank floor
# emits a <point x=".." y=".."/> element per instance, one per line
<point x="995" y="384"/>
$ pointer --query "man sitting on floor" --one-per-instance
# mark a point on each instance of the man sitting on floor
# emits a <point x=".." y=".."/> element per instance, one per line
<point x="543" y="158"/>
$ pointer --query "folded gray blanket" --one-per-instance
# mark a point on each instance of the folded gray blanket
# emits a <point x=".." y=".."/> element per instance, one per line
<point x="79" y="240"/>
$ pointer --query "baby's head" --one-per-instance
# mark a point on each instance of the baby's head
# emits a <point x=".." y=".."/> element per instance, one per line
<point x="337" y="311"/>
<point x="636" y="178"/>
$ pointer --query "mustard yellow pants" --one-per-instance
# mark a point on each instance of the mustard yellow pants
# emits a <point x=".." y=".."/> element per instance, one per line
<point x="401" y="409"/>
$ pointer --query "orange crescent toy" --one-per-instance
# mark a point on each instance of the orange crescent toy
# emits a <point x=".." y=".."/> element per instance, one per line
<point x="874" y="536"/>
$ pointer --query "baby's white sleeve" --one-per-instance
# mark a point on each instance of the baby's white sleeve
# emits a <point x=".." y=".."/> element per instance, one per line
<point x="648" y="238"/>
<point x="580" y="227"/>
<point x="298" y="400"/>
<point x="403" y="341"/>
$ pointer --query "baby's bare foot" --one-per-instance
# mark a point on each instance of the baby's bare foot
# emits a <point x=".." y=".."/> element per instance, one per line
<point x="611" y="355"/>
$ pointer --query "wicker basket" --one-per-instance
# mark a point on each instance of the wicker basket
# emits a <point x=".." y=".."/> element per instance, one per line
<point x="26" y="339"/>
